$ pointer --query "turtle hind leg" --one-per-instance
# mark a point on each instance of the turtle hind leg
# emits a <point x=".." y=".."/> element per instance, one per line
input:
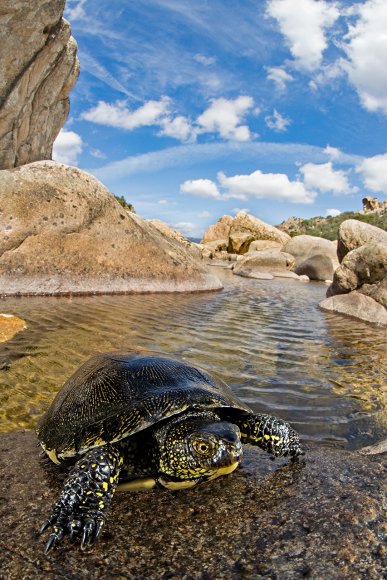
<point x="270" y="434"/>
<point x="85" y="498"/>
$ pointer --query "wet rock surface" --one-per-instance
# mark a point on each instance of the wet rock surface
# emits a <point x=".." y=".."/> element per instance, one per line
<point x="320" y="518"/>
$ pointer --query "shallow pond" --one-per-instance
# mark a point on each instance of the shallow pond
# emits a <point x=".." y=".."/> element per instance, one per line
<point x="324" y="373"/>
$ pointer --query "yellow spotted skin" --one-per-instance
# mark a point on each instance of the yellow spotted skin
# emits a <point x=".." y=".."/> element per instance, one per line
<point x="270" y="434"/>
<point x="86" y="495"/>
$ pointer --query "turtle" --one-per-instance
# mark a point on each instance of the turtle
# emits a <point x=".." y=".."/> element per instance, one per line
<point x="137" y="420"/>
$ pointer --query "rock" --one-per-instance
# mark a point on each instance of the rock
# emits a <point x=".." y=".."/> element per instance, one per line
<point x="265" y="261"/>
<point x="285" y="274"/>
<point x="353" y="234"/>
<point x="372" y="205"/>
<point x="9" y="326"/>
<point x="376" y="291"/>
<point x="356" y="305"/>
<point x="303" y="278"/>
<point x="259" y="245"/>
<point x="218" y="231"/>
<point x="305" y="247"/>
<point x="365" y="265"/>
<point x="292" y="226"/>
<point x="375" y="448"/>
<point x="245" y="228"/>
<point x="217" y="245"/>
<point x="38" y="68"/>
<point x="239" y="242"/>
<point x="317" y="267"/>
<point x="64" y="232"/>
<point x="320" y="517"/>
<point x="173" y="234"/>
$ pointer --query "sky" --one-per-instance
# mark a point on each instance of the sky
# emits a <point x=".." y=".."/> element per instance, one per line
<point x="193" y="110"/>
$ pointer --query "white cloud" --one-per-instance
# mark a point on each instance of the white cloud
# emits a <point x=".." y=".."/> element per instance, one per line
<point x="332" y="212"/>
<point x="204" y="214"/>
<point x="374" y="173"/>
<point x="205" y="60"/>
<point x="179" y="128"/>
<point x="265" y="186"/>
<point x="323" y="177"/>
<point x="366" y="48"/>
<point x="118" y="115"/>
<point x="225" y="117"/>
<point x="332" y="152"/>
<point x="201" y="188"/>
<point x="304" y="28"/>
<point x="280" y="77"/>
<point x="277" y="122"/>
<point x="67" y="147"/>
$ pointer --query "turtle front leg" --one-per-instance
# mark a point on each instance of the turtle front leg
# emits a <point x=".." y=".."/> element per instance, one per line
<point x="85" y="499"/>
<point x="270" y="434"/>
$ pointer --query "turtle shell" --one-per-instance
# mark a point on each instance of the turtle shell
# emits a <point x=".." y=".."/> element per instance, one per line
<point x="113" y="395"/>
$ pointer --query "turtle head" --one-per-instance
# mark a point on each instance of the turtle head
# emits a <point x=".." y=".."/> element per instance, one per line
<point x="197" y="448"/>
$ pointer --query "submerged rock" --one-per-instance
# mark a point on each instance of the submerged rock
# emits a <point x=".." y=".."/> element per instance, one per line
<point x="38" y="68"/>
<point x="321" y="517"/>
<point x="64" y="232"/>
<point x="9" y="326"/>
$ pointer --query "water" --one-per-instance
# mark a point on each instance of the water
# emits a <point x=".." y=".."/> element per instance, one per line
<point x="324" y="373"/>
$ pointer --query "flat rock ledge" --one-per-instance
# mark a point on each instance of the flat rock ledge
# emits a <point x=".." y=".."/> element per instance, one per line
<point x="321" y="517"/>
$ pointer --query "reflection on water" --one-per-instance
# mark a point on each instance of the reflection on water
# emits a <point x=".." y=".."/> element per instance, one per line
<point x="324" y="373"/>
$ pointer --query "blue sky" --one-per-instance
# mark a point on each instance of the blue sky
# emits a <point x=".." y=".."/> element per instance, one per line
<point x="193" y="110"/>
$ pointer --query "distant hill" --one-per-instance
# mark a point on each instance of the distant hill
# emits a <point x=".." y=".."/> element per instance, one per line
<point x="329" y="227"/>
<point x="374" y="213"/>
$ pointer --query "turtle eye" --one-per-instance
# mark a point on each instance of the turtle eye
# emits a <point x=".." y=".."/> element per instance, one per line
<point x="203" y="447"/>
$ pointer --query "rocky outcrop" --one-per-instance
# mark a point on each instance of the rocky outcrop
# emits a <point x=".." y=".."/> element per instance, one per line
<point x="315" y="257"/>
<point x="365" y="265"/>
<point x="259" y="245"/>
<point x="218" y="231"/>
<point x="243" y="230"/>
<point x="9" y="326"/>
<point x="358" y="306"/>
<point x="64" y="232"/>
<point x="359" y="286"/>
<point x="353" y="234"/>
<point x="38" y="68"/>
<point x="372" y="205"/>
<point x="267" y="261"/>
<point x="320" y="517"/>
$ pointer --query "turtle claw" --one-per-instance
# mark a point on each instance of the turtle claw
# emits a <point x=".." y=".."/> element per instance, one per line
<point x="55" y="538"/>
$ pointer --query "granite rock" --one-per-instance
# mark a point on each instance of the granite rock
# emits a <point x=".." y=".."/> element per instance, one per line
<point x="64" y="232"/>
<point x="38" y="68"/>
<point x="265" y="261"/>
<point x="354" y="233"/>
<point x="321" y="517"/>
<point x="356" y="305"/>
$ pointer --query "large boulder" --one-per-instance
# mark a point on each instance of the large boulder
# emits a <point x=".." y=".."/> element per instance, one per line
<point x="259" y="245"/>
<point x="315" y="257"/>
<point x="245" y="228"/>
<point x="38" y="68"/>
<point x="358" y="306"/>
<point x="267" y="261"/>
<point x="218" y="231"/>
<point x="354" y="233"/>
<point x="365" y="265"/>
<point x="64" y="232"/>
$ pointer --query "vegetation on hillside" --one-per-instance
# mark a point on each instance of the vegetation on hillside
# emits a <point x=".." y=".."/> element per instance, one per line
<point x="329" y="227"/>
<point x="122" y="201"/>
